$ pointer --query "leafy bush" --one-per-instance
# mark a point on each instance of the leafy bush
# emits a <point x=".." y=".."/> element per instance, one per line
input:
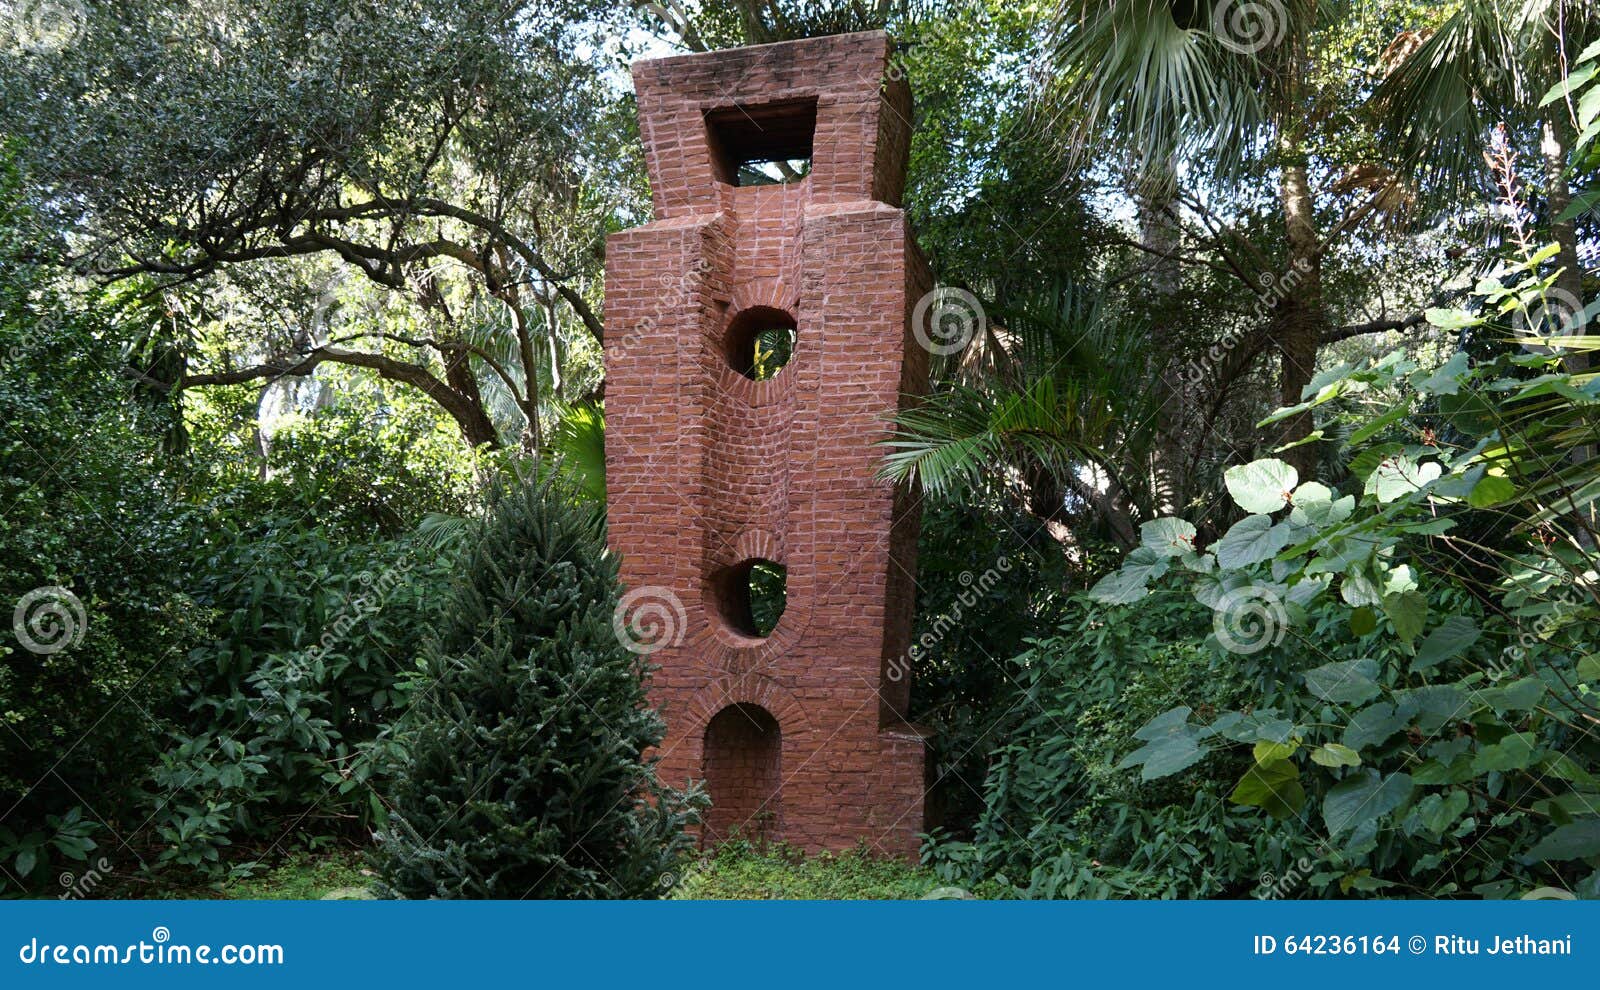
<point x="1060" y="820"/>
<point x="1435" y="729"/>
<point x="1408" y="656"/>
<point x="309" y="660"/>
<point x="524" y="772"/>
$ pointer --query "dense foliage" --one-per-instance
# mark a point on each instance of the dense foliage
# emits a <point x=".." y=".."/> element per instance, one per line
<point x="1258" y="550"/>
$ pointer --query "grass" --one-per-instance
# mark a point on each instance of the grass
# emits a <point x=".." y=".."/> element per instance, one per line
<point x="740" y="871"/>
<point x="302" y="877"/>
<point x="735" y="870"/>
<point x="298" y="877"/>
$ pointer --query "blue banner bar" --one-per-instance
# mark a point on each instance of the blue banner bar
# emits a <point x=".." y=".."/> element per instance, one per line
<point x="792" y="944"/>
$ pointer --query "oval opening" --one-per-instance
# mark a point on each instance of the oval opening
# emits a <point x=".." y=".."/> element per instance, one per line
<point x="750" y="596"/>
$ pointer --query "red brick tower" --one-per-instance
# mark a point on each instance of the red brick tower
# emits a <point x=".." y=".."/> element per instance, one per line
<point x="801" y="735"/>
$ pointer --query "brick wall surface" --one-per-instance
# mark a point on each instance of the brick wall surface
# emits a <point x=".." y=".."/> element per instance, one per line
<point x="707" y="468"/>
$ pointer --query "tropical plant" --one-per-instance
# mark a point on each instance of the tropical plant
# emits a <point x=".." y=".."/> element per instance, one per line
<point x="1482" y="64"/>
<point x="1454" y="703"/>
<point x="1061" y="418"/>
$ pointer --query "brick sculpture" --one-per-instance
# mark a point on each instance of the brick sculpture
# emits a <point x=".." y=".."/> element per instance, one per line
<point x="800" y="735"/>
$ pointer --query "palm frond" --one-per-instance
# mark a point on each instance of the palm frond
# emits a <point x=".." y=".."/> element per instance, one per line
<point x="1130" y="73"/>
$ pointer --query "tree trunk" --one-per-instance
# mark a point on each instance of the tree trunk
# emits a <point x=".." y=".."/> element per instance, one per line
<point x="1159" y="231"/>
<point x="1569" y="283"/>
<point x="1303" y="314"/>
<point x="476" y="427"/>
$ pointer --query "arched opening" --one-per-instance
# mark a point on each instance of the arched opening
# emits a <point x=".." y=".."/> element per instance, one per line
<point x="751" y="595"/>
<point x="760" y="341"/>
<point x="743" y="773"/>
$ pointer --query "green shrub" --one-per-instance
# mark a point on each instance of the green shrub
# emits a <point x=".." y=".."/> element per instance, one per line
<point x="524" y="773"/>
<point x="1059" y="819"/>
<point x="309" y="659"/>
<point x="1430" y="714"/>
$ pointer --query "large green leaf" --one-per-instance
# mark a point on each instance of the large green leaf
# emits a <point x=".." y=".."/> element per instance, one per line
<point x="1274" y="787"/>
<point x="1252" y="540"/>
<point x="1447" y="380"/>
<point x="1514" y="752"/>
<point x="1168" y="536"/>
<point x="1119" y="588"/>
<point x="1335" y="755"/>
<point x="1518" y="696"/>
<point x="1262" y="486"/>
<point x="1363" y="797"/>
<point x="1131" y="582"/>
<point x="1408" y="610"/>
<point x="1491" y="490"/>
<point x="1344" y="682"/>
<point x="1399" y="476"/>
<point x="1171" y="745"/>
<point x="1433" y="705"/>
<point x="1575" y="840"/>
<point x="1438" y="812"/>
<point x="1373" y="724"/>
<point x="1452" y="638"/>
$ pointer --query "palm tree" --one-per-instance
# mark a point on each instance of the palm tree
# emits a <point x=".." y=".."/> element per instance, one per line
<point x="1490" y="62"/>
<point x="1225" y="90"/>
<point x="1053" y="402"/>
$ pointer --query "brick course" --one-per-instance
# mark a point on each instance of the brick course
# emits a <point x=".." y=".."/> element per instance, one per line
<point x="802" y="734"/>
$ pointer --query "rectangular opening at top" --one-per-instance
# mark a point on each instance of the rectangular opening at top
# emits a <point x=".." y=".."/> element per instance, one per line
<point x="754" y="145"/>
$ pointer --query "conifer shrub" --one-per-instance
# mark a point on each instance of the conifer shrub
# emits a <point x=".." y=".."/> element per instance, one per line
<point x="524" y="772"/>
